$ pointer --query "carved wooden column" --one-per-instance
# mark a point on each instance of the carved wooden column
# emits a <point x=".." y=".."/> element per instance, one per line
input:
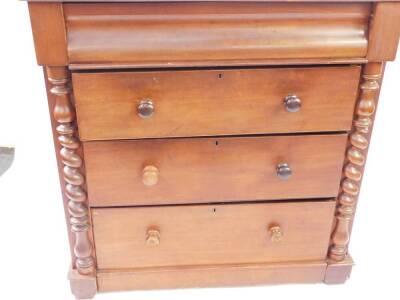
<point x="355" y="161"/>
<point x="70" y="156"/>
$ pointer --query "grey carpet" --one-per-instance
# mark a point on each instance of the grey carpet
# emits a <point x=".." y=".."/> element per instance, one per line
<point x="6" y="159"/>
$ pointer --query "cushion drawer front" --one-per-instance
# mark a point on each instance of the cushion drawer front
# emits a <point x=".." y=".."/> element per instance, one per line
<point x="212" y="234"/>
<point x="214" y="102"/>
<point x="167" y="171"/>
<point x="170" y="34"/>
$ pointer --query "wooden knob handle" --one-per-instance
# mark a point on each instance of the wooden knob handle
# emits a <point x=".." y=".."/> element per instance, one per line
<point x="145" y="109"/>
<point x="150" y="175"/>
<point x="276" y="233"/>
<point x="292" y="103"/>
<point x="153" y="237"/>
<point x="283" y="171"/>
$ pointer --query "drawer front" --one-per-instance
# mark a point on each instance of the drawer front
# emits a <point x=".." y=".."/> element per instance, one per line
<point x="214" y="102"/>
<point x="212" y="234"/>
<point x="142" y="172"/>
<point x="172" y="34"/>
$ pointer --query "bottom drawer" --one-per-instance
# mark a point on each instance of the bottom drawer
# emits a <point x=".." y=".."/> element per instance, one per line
<point x="212" y="234"/>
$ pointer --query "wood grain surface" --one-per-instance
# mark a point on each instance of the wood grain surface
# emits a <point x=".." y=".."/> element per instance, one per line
<point x="384" y="32"/>
<point x="214" y="102"/>
<point x="151" y="33"/>
<point x="185" y="197"/>
<point x="49" y="33"/>
<point x="356" y="157"/>
<point x="322" y="1"/>
<point x="211" y="234"/>
<point x="212" y="276"/>
<point x="71" y="167"/>
<point x="213" y="169"/>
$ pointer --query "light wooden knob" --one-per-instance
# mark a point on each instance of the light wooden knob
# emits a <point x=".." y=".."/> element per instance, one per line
<point x="292" y="103"/>
<point x="150" y="175"/>
<point x="153" y="237"/>
<point x="276" y="234"/>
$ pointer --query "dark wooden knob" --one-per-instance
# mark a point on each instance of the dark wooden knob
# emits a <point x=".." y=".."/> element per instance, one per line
<point x="145" y="109"/>
<point x="292" y="103"/>
<point x="283" y="171"/>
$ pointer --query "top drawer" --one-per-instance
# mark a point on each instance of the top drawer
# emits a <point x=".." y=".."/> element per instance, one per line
<point x="172" y="34"/>
<point x="214" y="102"/>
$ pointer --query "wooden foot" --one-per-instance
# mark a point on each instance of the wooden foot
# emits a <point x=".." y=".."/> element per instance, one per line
<point x="338" y="272"/>
<point x="82" y="286"/>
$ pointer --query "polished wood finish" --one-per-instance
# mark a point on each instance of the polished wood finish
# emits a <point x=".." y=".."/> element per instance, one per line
<point x="212" y="234"/>
<point x="169" y="32"/>
<point x="82" y="287"/>
<point x="153" y="237"/>
<point x="338" y="272"/>
<point x="230" y="106"/>
<point x="118" y="1"/>
<point x="213" y="169"/>
<point x="49" y="33"/>
<point x="150" y="175"/>
<point x="73" y="176"/>
<point x="214" y="102"/>
<point x="211" y="276"/>
<point x="276" y="233"/>
<point x="355" y="159"/>
<point x="384" y="32"/>
<point x="220" y="63"/>
<point x="52" y="98"/>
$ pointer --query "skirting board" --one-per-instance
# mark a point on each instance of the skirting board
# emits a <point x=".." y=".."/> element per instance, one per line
<point x="211" y="276"/>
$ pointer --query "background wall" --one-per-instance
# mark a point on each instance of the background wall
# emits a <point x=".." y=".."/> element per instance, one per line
<point x="34" y="254"/>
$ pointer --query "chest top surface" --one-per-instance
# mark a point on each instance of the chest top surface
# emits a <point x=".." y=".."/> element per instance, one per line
<point x="144" y="1"/>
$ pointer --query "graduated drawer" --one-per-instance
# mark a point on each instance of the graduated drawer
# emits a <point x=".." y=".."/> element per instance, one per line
<point x="167" y="171"/>
<point x="211" y="234"/>
<point x="124" y="105"/>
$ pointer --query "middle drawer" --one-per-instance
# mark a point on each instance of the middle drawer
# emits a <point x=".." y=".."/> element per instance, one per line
<point x="199" y="170"/>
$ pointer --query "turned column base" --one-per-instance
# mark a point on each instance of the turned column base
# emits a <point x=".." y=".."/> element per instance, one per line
<point x="338" y="272"/>
<point x="82" y="287"/>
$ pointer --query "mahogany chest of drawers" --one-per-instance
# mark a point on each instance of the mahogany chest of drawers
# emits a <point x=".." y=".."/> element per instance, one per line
<point x="211" y="143"/>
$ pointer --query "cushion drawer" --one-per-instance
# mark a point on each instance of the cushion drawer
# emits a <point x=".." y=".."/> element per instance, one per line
<point x="166" y="171"/>
<point x="214" y="102"/>
<point x="212" y="234"/>
<point x="175" y="34"/>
